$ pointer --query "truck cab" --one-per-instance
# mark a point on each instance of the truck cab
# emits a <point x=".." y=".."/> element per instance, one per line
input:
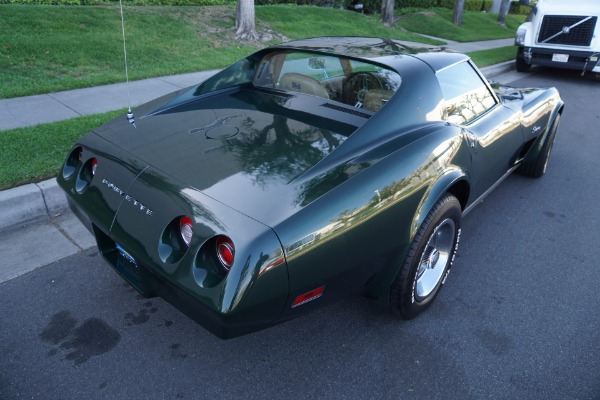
<point x="560" y="34"/>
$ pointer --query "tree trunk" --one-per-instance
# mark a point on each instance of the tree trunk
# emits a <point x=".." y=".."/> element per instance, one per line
<point x="495" y="8"/>
<point x="244" y="23"/>
<point x="459" y="5"/>
<point x="387" y="12"/>
<point x="504" y="7"/>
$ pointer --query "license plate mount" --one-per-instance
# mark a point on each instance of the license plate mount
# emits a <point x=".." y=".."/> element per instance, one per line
<point x="558" y="57"/>
<point x="129" y="269"/>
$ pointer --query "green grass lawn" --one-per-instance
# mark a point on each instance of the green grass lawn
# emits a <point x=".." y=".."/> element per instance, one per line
<point x="297" y="22"/>
<point x="36" y="153"/>
<point x="476" y="25"/>
<point x="483" y="58"/>
<point x="52" y="48"/>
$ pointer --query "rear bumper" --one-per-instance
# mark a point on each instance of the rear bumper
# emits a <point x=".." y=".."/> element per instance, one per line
<point x="577" y="60"/>
<point x="218" y="324"/>
<point x="150" y="284"/>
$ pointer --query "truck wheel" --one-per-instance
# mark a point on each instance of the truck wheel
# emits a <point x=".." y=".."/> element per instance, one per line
<point x="428" y="261"/>
<point x="538" y="168"/>
<point x="520" y="63"/>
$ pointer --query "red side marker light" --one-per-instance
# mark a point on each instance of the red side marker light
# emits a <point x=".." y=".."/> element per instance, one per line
<point x="308" y="296"/>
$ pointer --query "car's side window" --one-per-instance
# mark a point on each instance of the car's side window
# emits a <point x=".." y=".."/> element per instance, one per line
<point x="466" y="95"/>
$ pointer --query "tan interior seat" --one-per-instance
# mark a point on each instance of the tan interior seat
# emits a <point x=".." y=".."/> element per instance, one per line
<point x="301" y="83"/>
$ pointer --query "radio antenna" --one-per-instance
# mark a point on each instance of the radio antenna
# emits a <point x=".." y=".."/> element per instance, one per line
<point x="130" y="117"/>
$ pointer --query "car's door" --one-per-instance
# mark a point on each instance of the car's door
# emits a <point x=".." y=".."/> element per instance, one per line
<point x="493" y="132"/>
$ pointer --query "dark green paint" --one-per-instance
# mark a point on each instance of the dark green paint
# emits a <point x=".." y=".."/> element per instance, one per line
<point x="310" y="195"/>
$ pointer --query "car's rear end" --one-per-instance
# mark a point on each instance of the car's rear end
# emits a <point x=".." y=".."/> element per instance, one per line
<point x="167" y="238"/>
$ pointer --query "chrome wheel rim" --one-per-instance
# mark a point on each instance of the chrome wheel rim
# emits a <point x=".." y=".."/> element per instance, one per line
<point x="434" y="259"/>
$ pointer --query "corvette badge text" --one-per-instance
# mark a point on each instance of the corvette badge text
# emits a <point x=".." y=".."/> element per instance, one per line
<point x="128" y="198"/>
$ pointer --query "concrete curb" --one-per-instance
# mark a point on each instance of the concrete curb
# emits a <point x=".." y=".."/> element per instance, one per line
<point x="26" y="204"/>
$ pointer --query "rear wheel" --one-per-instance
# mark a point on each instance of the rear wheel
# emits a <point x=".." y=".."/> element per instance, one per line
<point x="520" y="63"/>
<point x="538" y="168"/>
<point x="429" y="260"/>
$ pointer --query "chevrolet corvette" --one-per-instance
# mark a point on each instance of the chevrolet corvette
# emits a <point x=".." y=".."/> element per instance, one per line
<point x="306" y="172"/>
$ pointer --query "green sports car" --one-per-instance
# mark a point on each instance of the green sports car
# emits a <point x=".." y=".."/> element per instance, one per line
<point x="308" y="171"/>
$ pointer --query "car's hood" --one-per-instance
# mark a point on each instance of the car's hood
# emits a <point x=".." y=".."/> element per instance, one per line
<point x="242" y="149"/>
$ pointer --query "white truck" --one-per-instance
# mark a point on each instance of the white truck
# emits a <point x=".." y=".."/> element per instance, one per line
<point x="560" y="33"/>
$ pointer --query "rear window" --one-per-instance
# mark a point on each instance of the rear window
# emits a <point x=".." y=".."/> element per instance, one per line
<point x="355" y="83"/>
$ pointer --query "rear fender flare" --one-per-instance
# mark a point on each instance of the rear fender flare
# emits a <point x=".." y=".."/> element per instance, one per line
<point x="381" y="286"/>
<point x="435" y="192"/>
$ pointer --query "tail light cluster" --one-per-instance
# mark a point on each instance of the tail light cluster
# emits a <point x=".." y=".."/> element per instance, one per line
<point x="214" y="260"/>
<point x="84" y="169"/>
<point x="217" y="255"/>
<point x="218" y="252"/>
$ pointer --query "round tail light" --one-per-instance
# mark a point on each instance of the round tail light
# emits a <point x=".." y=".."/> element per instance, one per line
<point x="85" y="176"/>
<point x="185" y="228"/>
<point x="175" y="239"/>
<point x="93" y="166"/>
<point x="225" y="252"/>
<point x="72" y="163"/>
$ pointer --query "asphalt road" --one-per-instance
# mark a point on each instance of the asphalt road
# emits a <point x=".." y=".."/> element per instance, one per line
<point x="519" y="317"/>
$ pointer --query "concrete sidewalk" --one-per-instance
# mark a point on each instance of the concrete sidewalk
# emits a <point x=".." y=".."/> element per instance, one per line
<point x="475" y="46"/>
<point x="21" y="112"/>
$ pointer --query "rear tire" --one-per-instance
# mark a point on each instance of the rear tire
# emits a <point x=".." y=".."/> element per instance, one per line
<point x="428" y="261"/>
<point x="520" y="63"/>
<point x="538" y="168"/>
